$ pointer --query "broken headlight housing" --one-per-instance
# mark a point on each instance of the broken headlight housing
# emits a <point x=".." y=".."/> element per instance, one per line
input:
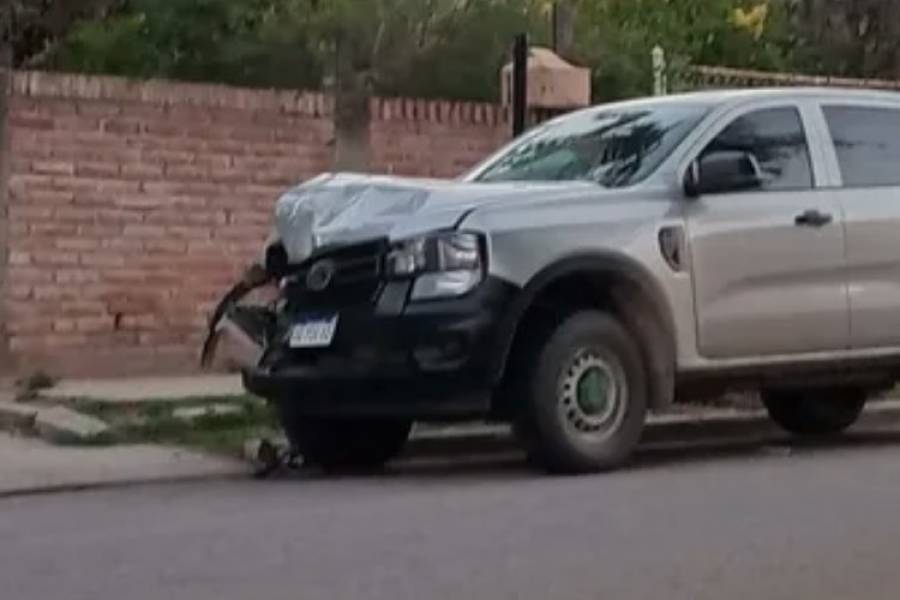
<point x="443" y="265"/>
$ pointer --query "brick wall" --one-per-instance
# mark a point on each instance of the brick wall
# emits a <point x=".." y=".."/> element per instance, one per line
<point x="433" y="138"/>
<point x="133" y="205"/>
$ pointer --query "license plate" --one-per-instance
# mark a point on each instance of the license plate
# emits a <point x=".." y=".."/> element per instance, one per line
<point x="314" y="332"/>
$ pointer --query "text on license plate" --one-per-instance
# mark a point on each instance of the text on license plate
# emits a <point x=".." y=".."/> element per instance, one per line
<point x="315" y="332"/>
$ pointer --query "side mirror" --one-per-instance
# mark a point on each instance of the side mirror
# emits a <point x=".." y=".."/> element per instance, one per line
<point x="722" y="171"/>
<point x="692" y="180"/>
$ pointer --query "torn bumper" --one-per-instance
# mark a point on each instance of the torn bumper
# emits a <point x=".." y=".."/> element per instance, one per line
<point x="392" y="358"/>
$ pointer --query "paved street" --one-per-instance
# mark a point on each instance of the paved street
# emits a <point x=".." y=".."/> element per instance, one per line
<point x="748" y="521"/>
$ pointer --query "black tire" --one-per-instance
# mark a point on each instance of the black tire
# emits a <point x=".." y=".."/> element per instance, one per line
<point x="559" y="432"/>
<point x="347" y="444"/>
<point x="815" y="412"/>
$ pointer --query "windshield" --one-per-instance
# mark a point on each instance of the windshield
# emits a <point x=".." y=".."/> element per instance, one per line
<point x="615" y="147"/>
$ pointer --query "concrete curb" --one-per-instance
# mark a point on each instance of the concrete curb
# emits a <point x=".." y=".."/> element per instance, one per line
<point x="665" y="428"/>
<point x="40" y="490"/>
<point x="469" y="440"/>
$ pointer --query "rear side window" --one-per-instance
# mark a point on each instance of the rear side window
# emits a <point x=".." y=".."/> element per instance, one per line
<point x="776" y="138"/>
<point x="867" y="141"/>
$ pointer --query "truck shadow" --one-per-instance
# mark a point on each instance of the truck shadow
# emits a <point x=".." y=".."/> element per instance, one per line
<point x="501" y="459"/>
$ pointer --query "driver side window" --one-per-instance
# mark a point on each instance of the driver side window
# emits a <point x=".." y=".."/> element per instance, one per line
<point x="775" y="138"/>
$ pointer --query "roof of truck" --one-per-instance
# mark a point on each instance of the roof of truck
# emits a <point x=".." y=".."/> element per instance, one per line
<point x="722" y="96"/>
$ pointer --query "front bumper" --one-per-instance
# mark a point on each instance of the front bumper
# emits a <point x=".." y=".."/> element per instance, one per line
<point x="394" y="358"/>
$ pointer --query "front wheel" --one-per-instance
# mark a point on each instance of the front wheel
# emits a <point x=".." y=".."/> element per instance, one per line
<point x="347" y="444"/>
<point x="815" y="412"/>
<point x="584" y="395"/>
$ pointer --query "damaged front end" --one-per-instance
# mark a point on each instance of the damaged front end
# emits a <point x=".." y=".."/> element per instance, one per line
<point x="323" y="211"/>
<point x="384" y="308"/>
<point x="238" y="334"/>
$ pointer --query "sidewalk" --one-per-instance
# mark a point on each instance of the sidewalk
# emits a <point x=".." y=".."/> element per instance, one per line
<point x="147" y="388"/>
<point x="30" y="465"/>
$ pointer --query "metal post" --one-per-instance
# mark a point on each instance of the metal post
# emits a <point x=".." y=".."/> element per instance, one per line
<point x="519" y="84"/>
<point x="660" y="77"/>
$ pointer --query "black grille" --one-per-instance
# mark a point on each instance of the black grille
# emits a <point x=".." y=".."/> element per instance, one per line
<point x="356" y="277"/>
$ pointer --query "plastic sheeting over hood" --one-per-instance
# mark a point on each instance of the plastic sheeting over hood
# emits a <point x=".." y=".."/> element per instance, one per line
<point x="344" y="208"/>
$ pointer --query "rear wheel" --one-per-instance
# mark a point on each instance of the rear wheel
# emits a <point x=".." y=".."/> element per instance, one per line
<point x="347" y="444"/>
<point x="583" y="395"/>
<point x="815" y="412"/>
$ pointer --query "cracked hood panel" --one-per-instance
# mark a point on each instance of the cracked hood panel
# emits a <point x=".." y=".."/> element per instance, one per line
<point x="346" y="208"/>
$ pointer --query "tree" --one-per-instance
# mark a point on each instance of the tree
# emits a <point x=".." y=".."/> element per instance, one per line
<point x="30" y="27"/>
<point x="616" y="37"/>
<point x="856" y="38"/>
<point x="417" y="47"/>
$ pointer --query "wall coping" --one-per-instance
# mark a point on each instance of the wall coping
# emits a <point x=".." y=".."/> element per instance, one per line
<point x="750" y="77"/>
<point x="41" y="84"/>
<point x="438" y="111"/>
<point x="163" y="92"/>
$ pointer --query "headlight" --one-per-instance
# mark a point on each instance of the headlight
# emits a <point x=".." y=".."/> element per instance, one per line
<point x="444" y="264"/>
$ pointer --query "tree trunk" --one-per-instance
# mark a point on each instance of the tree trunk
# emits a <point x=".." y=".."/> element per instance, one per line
<point x="564" y="27"/>
<point x="351" y="115"/>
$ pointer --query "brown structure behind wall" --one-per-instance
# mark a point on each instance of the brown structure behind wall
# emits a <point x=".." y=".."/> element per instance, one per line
<point x="133" y="205"/>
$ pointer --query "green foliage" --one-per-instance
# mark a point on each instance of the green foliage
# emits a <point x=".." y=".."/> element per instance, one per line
<point x="616" y="37"/>
<point x="856" y="38"/>
<point x="217" y="40"/>
<point x="420" y="47"/>
<point x="447" y="48"/>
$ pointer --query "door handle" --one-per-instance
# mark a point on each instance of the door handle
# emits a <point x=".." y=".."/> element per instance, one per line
<point x="813" y="218"/>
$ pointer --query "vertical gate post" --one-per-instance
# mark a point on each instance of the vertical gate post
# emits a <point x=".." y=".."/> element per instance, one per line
<point x="519" y="84"/>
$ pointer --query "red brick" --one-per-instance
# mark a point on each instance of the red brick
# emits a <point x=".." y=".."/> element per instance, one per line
<point x="55" y="197"/>
<point x="144" y="231"/>
<point x="122" y="244"/>
<point x="97" y="108"/>
<point x="122" y="126"/>
<point x="250" y="218"/>
<point x="29" y="274"/>
<point x="76" y="244"/>
<point x="96" y="169"/>
<point x="129" y="275"/>
<point x="142" y="171"/>
<point x="173" y="246"/>
<point x="54" y="258"/>
<point x="50" y="167"/>
<point x="166" y="156"/>
<point x="101" y="231"/>
<point x="30" y="121"/>
<point x="63" y="325"/>
<point x="29" y="326"/>
<point x="74" y="214"/>
<point x="231" y="175"/>
<point x="139" y="201"/>
<point x="94" y="324"/>
<point x="20" y="291"/>
<point x="66" y="276"/>
<point x="189" y="232"/>
<point x="101" y="259"/>
<point x="188" y="172"/>
<point x="147" y="322"/>
<point x="213" y="161"/>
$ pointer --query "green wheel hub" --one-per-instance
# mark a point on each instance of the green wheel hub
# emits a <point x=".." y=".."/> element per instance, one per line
<point x="593" y="391"/>
<point x="592" y="394"/>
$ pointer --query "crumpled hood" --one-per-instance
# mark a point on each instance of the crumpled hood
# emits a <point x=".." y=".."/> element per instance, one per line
<point x="344" y="208"/>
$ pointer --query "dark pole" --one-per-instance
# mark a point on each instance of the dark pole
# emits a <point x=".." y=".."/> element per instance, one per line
<point x="554" y="26"/>
<point x="519" y="84"/>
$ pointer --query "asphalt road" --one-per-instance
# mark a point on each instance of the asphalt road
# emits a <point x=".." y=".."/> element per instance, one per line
<point x="812" y="522"/>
